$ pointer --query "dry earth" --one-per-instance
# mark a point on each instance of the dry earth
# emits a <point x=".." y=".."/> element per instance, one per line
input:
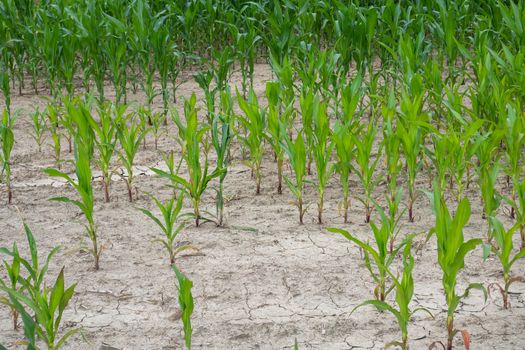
<point x="260" y="282"/>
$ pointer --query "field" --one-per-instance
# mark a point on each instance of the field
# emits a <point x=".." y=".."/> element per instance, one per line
<point x="273" y="195"/>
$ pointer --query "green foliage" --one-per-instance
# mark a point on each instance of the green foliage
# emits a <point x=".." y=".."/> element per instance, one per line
<point x="191" y="136"/>
<point x="7" y="142"/>
<point x="39" y="128"/>
<point x="171" y="213"/>
<point x="296" y="152"/>
<point x="40" y="307"/>
<point x="84" y="149"/>
<point x="276" y="130"/>
<point x="322" y="148"/>
<point x="379" y="258"/>
<point x="404" y="289"/>
<point x="452" y="250"/>
<point x="105" y="131"/>
<point x="185" y="303"/>
<point x="366" y="164"/>
<point x="502" y="247"/>
<point x="130" y="135"/>
<point x="254" y="121"/>
<point x="221" y="136"/>
<point x="343" y="139"/>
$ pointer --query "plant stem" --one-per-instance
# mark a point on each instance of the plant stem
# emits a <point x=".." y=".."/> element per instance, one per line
<point x="196" y="211"/>
<point x="345" y="207"/>
<point x="105" y="181"/>
<point x="450" y="329"/>
<point x="320" y="208"/>
<point x="279" y="176"/>
<point x="301" y="212"/>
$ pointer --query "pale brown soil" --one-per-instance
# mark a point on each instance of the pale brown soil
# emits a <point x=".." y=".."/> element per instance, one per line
<point x="260" y="282"/>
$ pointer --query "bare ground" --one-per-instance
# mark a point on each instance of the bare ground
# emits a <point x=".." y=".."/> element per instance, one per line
<point x="260" y="282"/>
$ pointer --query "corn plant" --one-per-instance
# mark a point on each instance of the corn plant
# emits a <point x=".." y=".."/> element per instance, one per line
<point x="366" y="164"/>
<point x="452" y="249"/>
<point x="343" y="139"/>
<point x="13" y="274"/>
<point x="156" y="120"/>
<point x="245" y="50"/>
<point x="204" y="80"/>
<point x="53" y="116"/>
<point x="502" y="247"/>
<point x="84" y="148"/>
<point x="463" y="145"/>
<point x="130" y="137"/>
<point x="322" y="151"/>
<point x="276" y="128"/>
<point x="221" y="136"/>
<point x="39" y="128"/>
<point x="7" y="141"/>
<point x="185" y="303"/>
<point x="192" y="136"/>
<point x="40" y="307"/>
<point x="392" y="150"/>
<point x="378" y="259"/>
<point x="171" y="213"/>
<point x="296" y="152"/>
<point x="488" y="169"/>
<point x="404" y="289"/>
<point x="106" y="138"/>
<point x="254" y="120"/>
<point x="307" y="101"/>
<point x="66" y="122"/>
<point x="412" y="136"/>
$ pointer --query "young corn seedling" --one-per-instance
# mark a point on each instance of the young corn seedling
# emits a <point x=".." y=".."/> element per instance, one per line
<point x="488" y="169"/>
<point x="105" y="141"/>
<point x="66" y="121"/>
<point x="204" y="79"/>
<point x="130" y="137"/>
<point x="307" y="101"/>
<point x="440" y="156"/>
<point x="221" y="137"/>
<point x="365" y="165"/>
<point x="7" y="141"/>
<point x="13" y="274"/>
<point x="343" y="139"/>
<point x="322" y="151"/>
<point x="276" y="128"/>
<point x="462" y="148"/>
<point x="404" y="289"/>
<point x="171" y="213"/>
<point x="185" y="303"/>
<point x="412" y="136"/>
<point x="502" y="247"/>
<point x="296" y="152"/>
<point x="254" y="120"/>
<point x="412" y="145"/>
<point x="380" y="256"/>
<point x="84" y="147"/>
<point x="156" y="120"/>
<point x="192" y="136"/>
<point x="40" y="307"/>
<point x="39" y="128"/>
<point x="53" y="115"/>
<point x="452" y="249"/>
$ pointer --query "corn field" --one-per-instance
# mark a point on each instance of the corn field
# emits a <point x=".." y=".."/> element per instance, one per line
<point x="262" y="174"/>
